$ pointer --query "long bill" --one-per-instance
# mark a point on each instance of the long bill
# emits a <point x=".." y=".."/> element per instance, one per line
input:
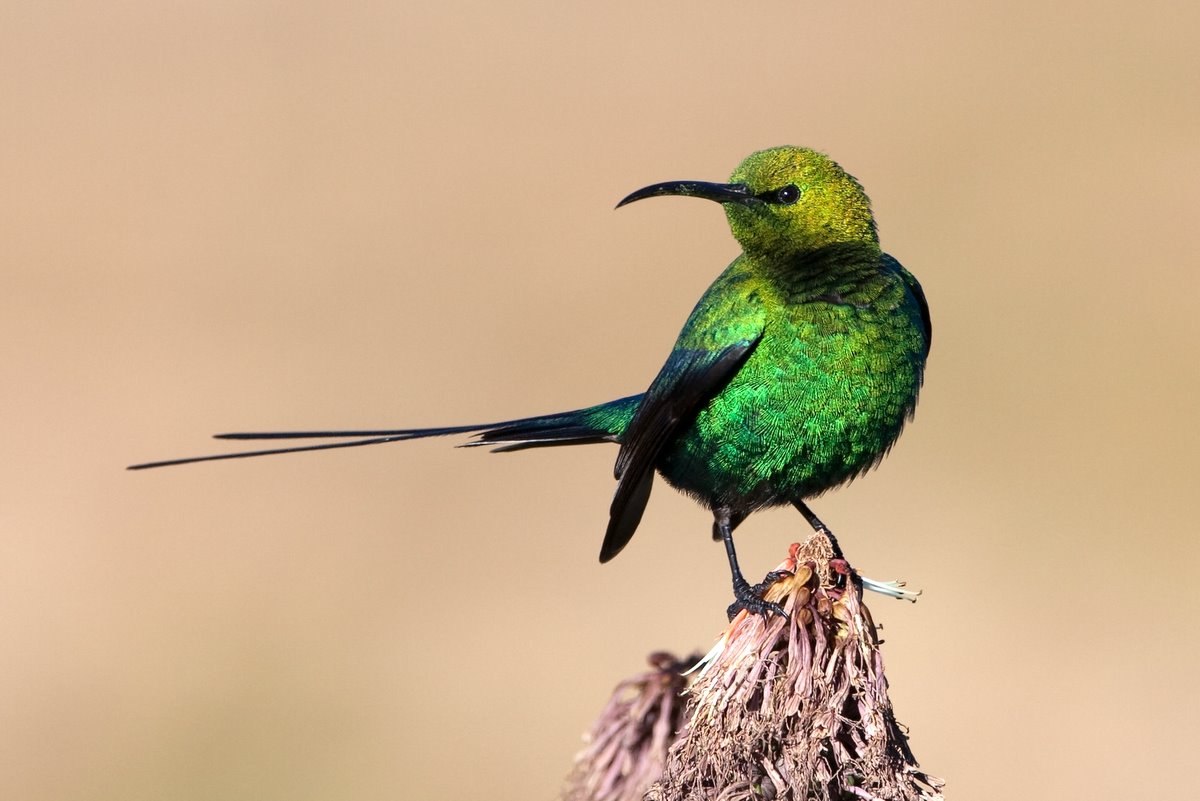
<point x="721" y="193"/>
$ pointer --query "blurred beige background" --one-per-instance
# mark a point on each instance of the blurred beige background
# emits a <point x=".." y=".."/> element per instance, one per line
<point x="221" y="216"/>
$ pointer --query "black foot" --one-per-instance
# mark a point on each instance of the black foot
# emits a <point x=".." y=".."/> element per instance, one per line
<point x="750" y="597"/>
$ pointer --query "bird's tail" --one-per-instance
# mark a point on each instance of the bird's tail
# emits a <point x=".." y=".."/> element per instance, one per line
<point x="603" y="423"/>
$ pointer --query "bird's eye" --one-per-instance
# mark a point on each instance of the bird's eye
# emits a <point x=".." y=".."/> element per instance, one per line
<point x="787" y="195"/>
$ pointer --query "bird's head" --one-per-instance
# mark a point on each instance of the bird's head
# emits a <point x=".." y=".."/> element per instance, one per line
<point x="784" y="200"/>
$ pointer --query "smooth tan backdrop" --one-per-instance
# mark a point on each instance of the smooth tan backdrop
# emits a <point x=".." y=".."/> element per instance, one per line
<point x="236" y="215"/>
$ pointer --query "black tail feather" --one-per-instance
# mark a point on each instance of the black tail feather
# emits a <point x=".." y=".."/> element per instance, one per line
<point x="568" y="428"/>
<point x="270" y="452"/>
<point x="537" y="432"/>
<point x="401" y="433"/>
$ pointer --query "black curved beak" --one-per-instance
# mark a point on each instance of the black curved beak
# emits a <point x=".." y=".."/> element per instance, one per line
<point x="721" y="193"/>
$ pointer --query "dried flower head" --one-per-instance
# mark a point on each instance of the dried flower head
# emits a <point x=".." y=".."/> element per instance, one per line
<point x="627" y="745"/>
<point x="796" y="708"/>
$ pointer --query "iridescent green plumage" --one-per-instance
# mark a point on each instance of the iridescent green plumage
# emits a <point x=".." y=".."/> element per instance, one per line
<point x="825" y="338"/>
<point x="825" y="392"/>
<point x="794" y="373"/>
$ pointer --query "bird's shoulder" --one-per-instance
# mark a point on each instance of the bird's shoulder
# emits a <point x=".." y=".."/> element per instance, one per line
<point x="734" y="308"/>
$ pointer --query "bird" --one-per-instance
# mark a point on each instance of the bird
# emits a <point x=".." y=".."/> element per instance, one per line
<point x="795" y="372"/>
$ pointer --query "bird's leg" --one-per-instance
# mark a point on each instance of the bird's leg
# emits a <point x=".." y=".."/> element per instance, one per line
<point x="838" y="564"/>
<point x="820" y="528"/>
<point x="745" y="596"/>
<point x="892" y="589"/>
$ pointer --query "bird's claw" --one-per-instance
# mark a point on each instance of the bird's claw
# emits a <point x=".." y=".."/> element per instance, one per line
<point x="769" y="579"/>
<point x="750" y="597"/>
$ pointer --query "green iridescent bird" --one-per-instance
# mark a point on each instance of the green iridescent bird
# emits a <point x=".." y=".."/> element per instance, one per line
<point x="795" y="372"/>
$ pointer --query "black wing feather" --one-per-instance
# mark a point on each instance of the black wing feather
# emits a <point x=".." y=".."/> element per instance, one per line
<point x="688" y="380"/>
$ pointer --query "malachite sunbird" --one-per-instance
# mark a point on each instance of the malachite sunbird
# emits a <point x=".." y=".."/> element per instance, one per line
<point x="795" y="372"/>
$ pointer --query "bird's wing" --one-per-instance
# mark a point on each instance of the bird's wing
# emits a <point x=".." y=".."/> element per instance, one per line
<point x="689" y="379"/>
